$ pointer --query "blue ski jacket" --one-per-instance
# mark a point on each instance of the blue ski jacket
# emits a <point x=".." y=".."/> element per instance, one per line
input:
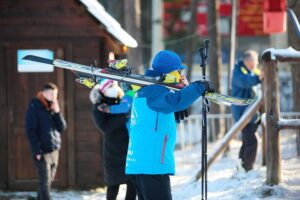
<point x="152" y="135"/>
<point x="124" y="106"/>
<point x="242" y="82"/>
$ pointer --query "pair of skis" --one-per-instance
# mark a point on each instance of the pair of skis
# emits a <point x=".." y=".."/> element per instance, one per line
<point x="89" y="76"/>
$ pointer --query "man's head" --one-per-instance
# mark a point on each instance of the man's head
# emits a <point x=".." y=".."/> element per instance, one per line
<point x="166" y="61"/>
<point x="250" y="59"/>
<point x="50" y="91"/>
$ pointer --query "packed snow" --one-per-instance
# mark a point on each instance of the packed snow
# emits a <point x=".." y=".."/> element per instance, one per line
<point x="225" y="179"/>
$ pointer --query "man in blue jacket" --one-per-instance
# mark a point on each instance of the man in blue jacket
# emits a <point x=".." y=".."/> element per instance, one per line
<point x="246" y="75"/>
<point x="152" y="136"/>
<point x="44" y="124"/>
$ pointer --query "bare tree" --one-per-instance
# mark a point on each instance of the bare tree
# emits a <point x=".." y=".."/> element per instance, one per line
<point x="146" y="28"/>
<point x="294" y="41"/>
<point x="214" y="59"/>
<point x="132" y="16"/>
<point x="191" y="42"/>
<point x="115" y="8"/>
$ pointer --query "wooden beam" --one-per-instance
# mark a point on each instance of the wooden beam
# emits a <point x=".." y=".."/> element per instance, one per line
<point x="289" y="124"/>
<point x="3" y="120"/>
<point x="298" y="143"/>
<point x="69" y="88"/>
<point x="237" y="127"/>
<point x="282" y="55"/>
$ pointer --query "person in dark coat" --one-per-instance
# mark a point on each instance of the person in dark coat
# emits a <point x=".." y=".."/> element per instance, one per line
<point x="44" y="124"/>
<point x="110" y="113"/>
<point x="246" y="75"/>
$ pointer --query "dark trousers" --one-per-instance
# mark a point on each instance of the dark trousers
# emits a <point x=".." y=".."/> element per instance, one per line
<point x="152" y="187"/>
<point x="46" y="168"/>
<point x="249" y="146"/>
<point x="112" y="191"/>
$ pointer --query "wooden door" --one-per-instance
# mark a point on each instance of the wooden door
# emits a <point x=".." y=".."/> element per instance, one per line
<point x="21" y="87"/>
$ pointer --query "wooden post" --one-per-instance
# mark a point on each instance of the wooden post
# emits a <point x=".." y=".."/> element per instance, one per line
<point x="271" y="99"/>
<point x="298" y="142"/>
<point x="263" y="132"/>
<point x="264" y="145"/>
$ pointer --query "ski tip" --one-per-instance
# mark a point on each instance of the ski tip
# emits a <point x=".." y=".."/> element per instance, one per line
<point x="27" y="57"/>
<point x="38" y="59"/>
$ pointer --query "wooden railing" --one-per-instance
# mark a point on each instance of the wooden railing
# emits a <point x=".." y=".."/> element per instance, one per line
<point x="237" y="127"/>
<point x="270" y="58"/>
<point x="273" y="123"/>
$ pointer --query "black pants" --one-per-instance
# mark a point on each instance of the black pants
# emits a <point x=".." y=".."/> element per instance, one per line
<point x="46" y="168"/>
<point x="112" y="191"/>
<point x="152" y="187"/>
<point x="249" y="146"/>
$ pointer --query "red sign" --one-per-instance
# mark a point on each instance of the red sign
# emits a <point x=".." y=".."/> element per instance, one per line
<point x="249" y="21"/>
<point x="250" y="18"/>
<point x="224" y="10"/>
<point x="274" y="16"/>
<point x="176" y="16"/>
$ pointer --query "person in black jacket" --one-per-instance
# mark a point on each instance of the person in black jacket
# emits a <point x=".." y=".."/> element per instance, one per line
<point x="44" y="124"/>
<point x="110" y="114"/>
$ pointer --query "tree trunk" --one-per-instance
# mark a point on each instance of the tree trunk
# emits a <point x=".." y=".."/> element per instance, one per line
<point x="146" y="29"/>
<point x="115" y="8"/>
<point x="214" y="57"/>
<point x="132" y="10"/>
<point x="191" y="42"/>
<point x="294" y="41"/>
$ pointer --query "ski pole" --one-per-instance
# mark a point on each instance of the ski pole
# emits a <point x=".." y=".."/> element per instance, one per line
<point x="205" y="108"/>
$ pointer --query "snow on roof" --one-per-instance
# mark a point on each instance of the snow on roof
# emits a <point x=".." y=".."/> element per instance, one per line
<point x="112" y="26"/>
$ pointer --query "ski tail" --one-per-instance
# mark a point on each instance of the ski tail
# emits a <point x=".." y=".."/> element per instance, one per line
<point x="229" y="100"/>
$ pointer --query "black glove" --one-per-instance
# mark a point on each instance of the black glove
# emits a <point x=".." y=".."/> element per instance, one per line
<point x="180" y="115"/>
<point x="209" y="88"/>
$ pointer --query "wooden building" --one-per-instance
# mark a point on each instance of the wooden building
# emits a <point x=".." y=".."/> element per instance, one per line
<point x="74" y="30"/>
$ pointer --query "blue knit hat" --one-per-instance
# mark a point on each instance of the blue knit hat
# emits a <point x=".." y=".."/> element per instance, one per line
<point x="167" y="61"/>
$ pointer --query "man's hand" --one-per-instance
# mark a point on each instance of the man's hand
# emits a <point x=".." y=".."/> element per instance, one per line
<point x="184" y="80"/>
<point x="208" y="86"/>
<point x="55" y="106"/>
<point x="262" y="75"/>
<point x="104" y="108"/>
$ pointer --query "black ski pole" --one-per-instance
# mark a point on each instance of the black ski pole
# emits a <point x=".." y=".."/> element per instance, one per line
<point x="205" y="108"/>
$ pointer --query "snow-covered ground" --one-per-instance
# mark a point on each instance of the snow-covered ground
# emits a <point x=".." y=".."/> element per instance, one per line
<point x="224" y="180"/>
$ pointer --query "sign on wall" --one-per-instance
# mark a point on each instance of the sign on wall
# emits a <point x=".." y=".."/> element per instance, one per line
<point x="250" y="18"/>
